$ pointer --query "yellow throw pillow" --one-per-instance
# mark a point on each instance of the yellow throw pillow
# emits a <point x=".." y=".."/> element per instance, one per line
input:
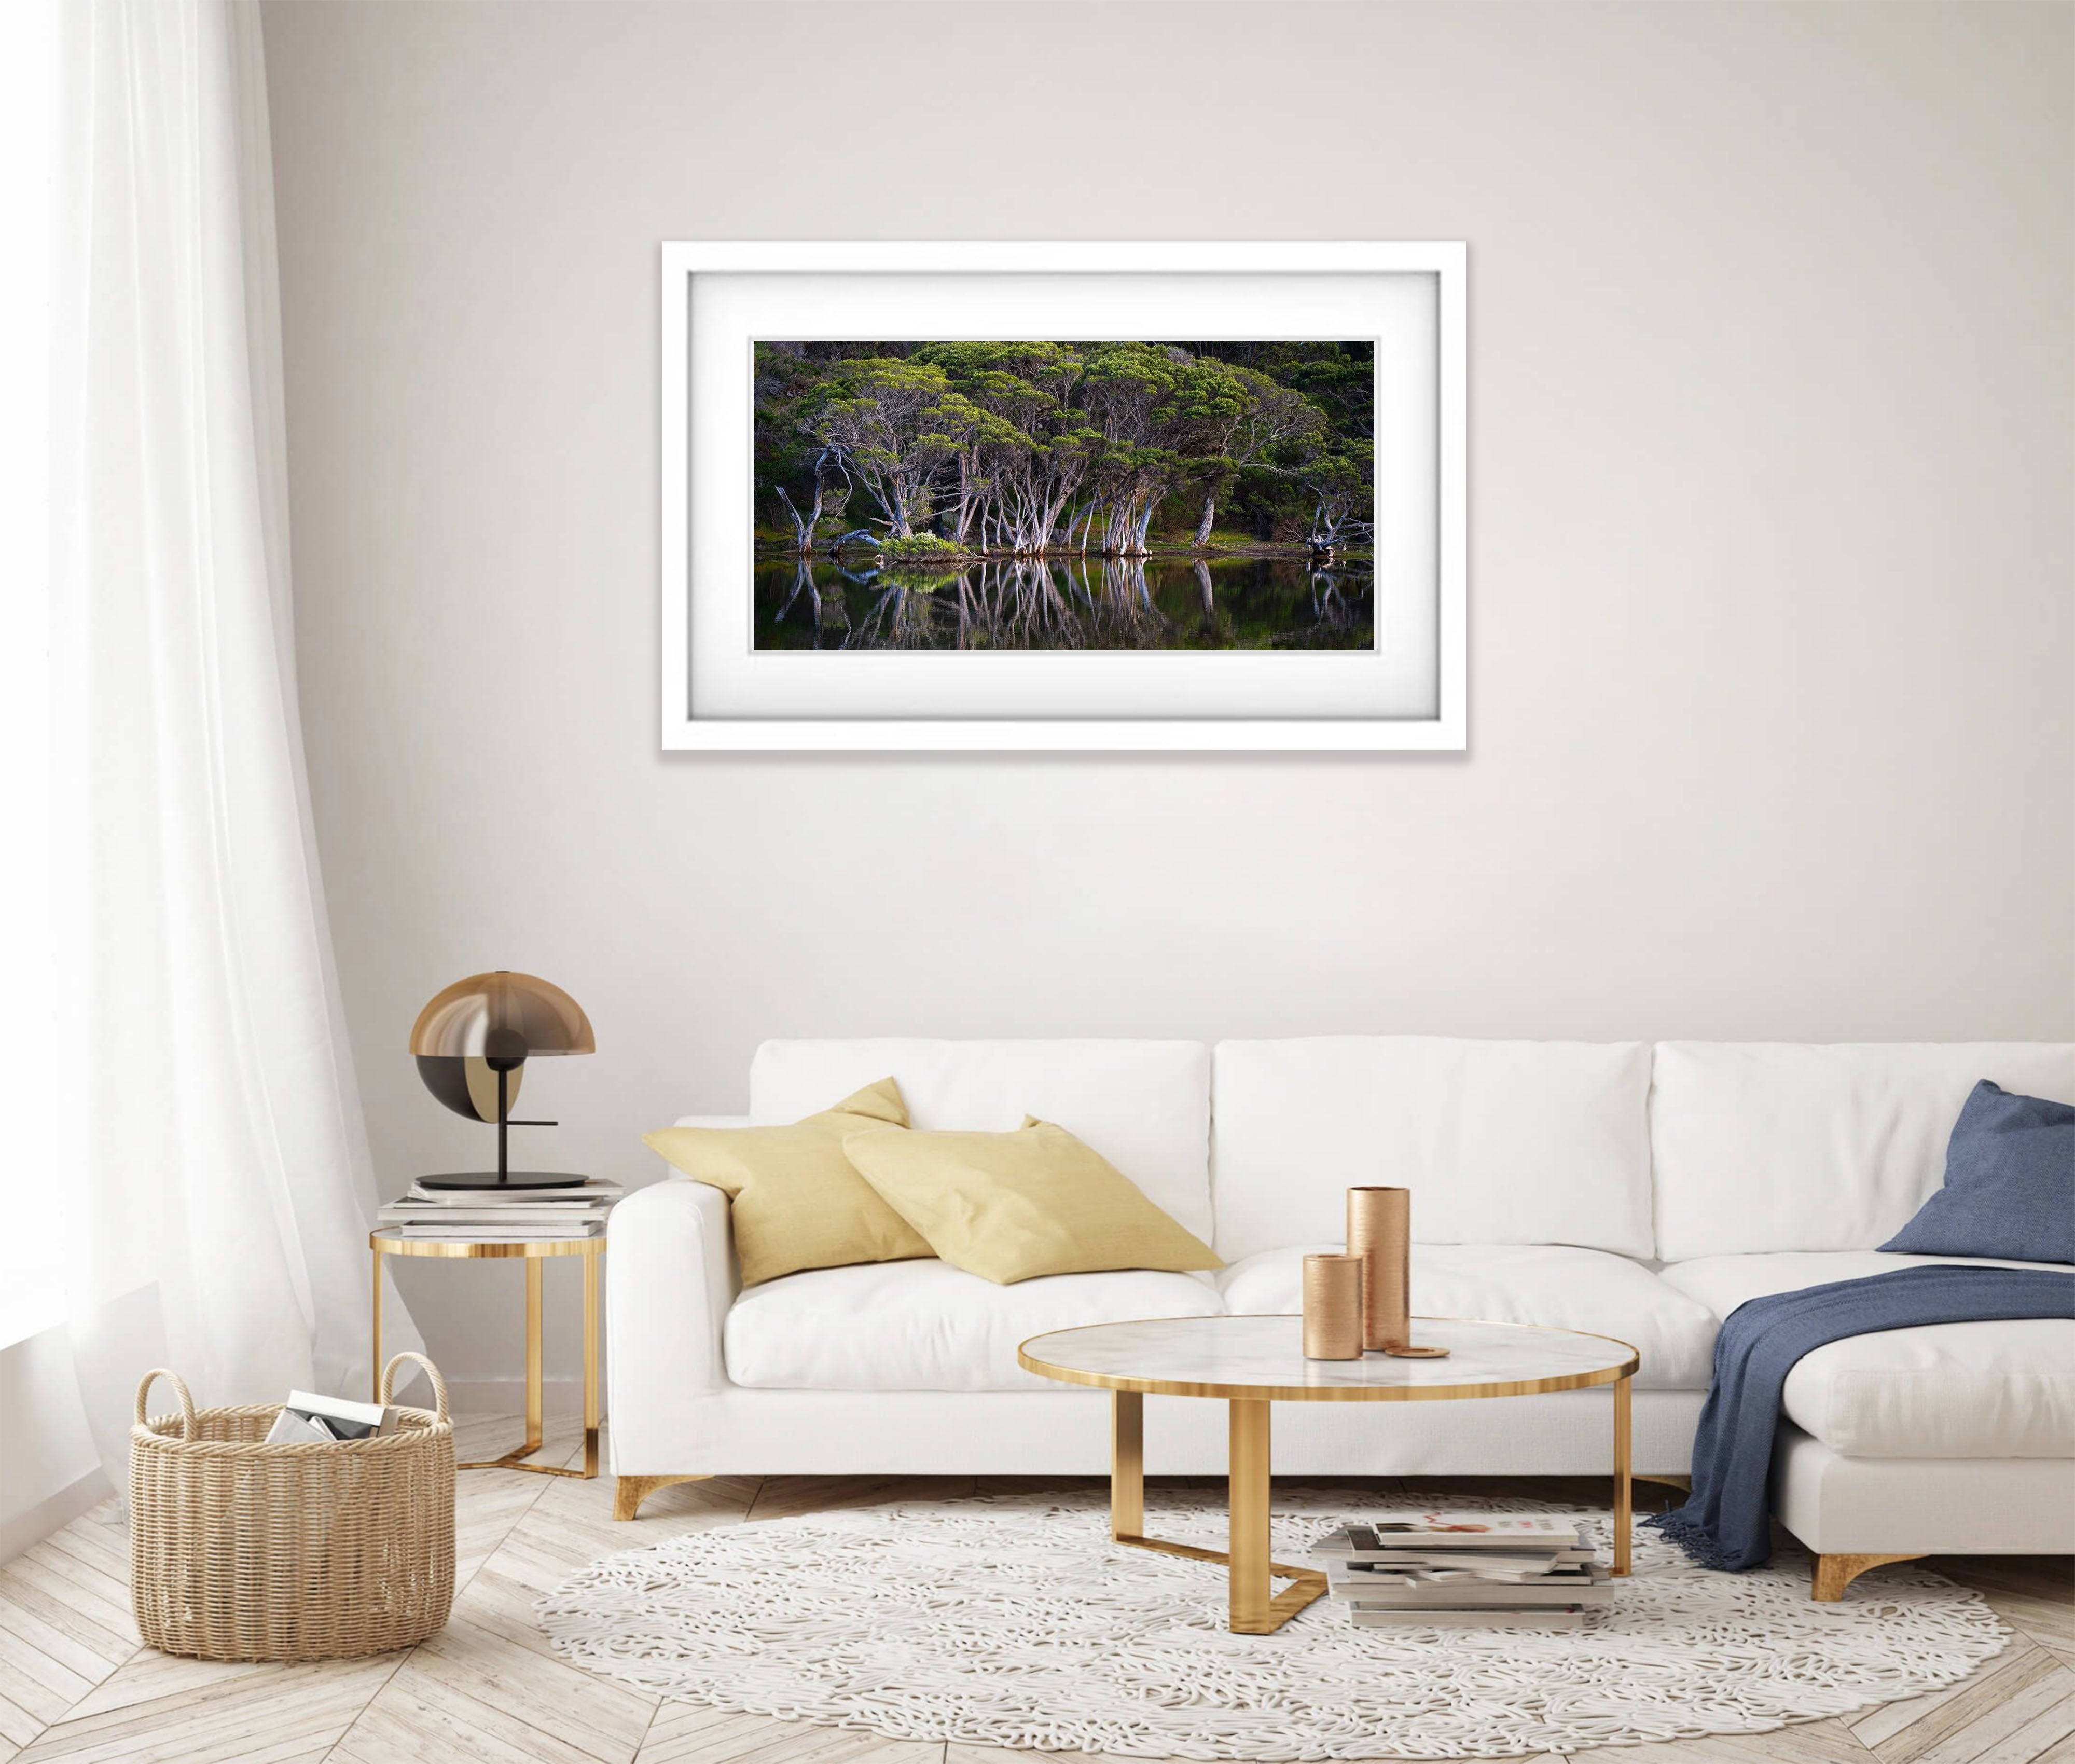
<point x="1010" y="1206"/>
<point x="795" y="1200"/>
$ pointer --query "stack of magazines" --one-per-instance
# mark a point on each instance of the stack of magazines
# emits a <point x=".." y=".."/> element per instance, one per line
<point x="577" y="1209"/>
<point x="1526" y="1571"/>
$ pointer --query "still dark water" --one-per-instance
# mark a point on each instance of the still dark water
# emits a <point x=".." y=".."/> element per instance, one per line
<point x="1066" y="603"/>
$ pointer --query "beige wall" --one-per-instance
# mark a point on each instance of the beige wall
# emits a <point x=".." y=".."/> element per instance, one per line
<point x="1772" y="424"/>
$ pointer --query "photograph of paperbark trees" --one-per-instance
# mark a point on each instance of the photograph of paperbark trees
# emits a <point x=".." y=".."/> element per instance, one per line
<point x="1064" y="495"/>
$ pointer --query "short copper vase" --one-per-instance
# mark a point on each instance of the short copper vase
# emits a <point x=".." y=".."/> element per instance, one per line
<point x="1332" y="1307"/>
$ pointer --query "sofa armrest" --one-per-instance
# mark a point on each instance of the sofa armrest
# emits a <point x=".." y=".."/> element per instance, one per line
<point x="671" y="1281"/>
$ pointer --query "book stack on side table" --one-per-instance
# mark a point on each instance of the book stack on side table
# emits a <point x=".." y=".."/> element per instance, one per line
<point x="483" y="1215"/>
<point x="1524" y="1571"/>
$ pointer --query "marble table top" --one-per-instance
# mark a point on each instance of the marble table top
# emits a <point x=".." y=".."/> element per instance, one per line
<point x="1263" y="1357"/>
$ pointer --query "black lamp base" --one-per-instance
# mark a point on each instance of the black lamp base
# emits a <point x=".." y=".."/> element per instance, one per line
<point x="491" y="1181"/>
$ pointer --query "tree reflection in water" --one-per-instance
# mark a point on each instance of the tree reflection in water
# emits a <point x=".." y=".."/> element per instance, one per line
<point x="1064" y="603"/>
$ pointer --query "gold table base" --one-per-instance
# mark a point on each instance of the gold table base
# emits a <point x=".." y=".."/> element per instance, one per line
<point x="592" y="1250"/>
<point x="1255" y="1608"/>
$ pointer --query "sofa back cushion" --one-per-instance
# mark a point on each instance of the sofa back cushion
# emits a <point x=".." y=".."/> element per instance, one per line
<point x="1767" y="1147"/>
<point x="1146" y="1106"/>
<point x="1501" y="1142"/>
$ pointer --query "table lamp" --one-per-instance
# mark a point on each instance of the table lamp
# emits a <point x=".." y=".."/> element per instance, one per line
<point x="472" y="1042"/>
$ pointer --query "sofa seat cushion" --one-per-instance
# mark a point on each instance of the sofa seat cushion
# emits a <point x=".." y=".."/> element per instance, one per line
<point x="1588" y="1289"/>
<point x="1942" y="1390"/>
<point x="928" y="1326"/>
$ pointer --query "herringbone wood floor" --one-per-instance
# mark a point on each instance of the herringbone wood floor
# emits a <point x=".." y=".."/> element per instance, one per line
<point x="75" y="1685"/>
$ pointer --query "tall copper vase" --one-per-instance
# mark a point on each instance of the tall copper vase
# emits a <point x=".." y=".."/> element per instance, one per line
<point x="1379" y="1231"/>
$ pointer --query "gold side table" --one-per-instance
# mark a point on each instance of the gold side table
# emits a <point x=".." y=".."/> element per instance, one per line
<point x="392" y="1242"/>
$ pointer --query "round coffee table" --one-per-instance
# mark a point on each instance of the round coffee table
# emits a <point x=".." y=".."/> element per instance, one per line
<point x="1253" y="1361"/>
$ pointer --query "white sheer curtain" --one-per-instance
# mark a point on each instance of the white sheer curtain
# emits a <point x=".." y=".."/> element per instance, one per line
<point x="214" y="1144"/>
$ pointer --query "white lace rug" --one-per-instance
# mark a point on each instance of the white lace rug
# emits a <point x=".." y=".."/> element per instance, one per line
<point x="1015" y="1621"/>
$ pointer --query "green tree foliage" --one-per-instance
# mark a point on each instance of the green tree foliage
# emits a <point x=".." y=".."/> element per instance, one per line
<point x="1025" y="447"/>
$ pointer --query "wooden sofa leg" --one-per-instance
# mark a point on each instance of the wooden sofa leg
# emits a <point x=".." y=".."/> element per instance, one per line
<point x="630" y="1492"/>
<point x="1834" y="1573"/>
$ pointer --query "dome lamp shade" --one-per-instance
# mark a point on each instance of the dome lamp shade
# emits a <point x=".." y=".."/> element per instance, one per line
<point x="472" y="1042"/>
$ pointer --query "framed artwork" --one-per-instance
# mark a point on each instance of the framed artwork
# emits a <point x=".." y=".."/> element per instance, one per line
<point x="1063" y="496"/>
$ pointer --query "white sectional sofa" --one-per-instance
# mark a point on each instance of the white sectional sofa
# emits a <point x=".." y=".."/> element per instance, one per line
<point x="1633" y="1191"/>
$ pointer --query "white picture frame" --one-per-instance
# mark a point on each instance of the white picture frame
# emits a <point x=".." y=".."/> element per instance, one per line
<point x="717" y="696"/>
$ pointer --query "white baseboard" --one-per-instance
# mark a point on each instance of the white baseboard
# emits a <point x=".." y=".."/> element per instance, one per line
<point x="26" y="1530"/>
<point x="507" y="1396"/>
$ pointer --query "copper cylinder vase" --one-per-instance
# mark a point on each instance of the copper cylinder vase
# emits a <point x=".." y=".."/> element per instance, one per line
<point x="1380" y="1233"/>
<point x="1332" y="1307"/>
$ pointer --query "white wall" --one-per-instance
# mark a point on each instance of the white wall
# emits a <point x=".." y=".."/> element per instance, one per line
<point x="1772" y="420"/>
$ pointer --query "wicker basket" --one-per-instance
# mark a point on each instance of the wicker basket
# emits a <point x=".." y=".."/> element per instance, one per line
<point x="244" y="1551"/>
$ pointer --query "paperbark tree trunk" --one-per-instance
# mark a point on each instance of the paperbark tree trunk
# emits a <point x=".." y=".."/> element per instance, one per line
<point x="803" y="525"/>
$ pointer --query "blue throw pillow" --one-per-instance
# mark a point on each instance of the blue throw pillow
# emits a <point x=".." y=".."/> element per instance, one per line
<point x="2010" y="1183"/>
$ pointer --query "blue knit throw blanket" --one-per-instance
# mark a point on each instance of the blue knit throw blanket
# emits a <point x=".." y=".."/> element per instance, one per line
<point x="1725" y="1521"/>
